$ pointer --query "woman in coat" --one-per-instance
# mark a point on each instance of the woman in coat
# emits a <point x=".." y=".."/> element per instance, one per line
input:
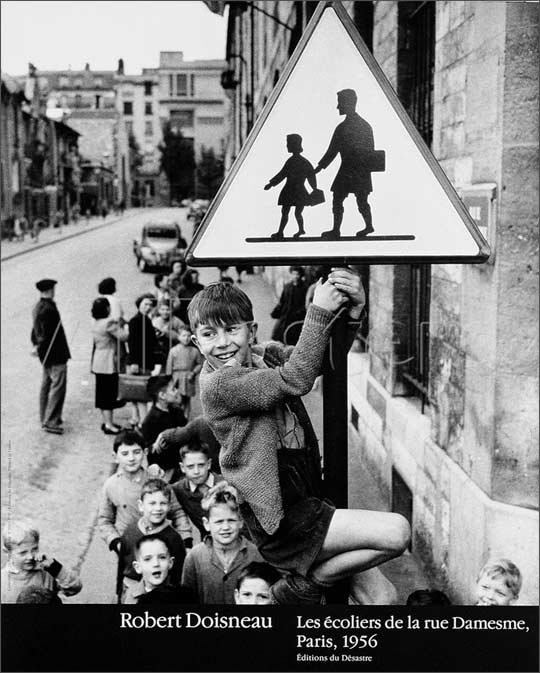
<point x="143" y="349"/>
<point x="108" y="338"/>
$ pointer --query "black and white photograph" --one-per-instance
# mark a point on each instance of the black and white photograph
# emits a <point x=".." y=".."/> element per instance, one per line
<point x="269" y="328"/>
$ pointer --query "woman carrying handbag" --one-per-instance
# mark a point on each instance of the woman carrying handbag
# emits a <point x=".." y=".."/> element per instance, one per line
<point x="108" y="337"/>
<point x="143" y="349"/>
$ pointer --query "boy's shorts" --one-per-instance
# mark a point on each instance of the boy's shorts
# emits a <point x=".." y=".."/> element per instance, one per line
<point x="302" y="531"/>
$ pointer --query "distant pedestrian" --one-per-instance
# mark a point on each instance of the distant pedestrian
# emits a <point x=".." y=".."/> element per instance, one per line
<point x="187" y="290"/>
<point x="184" y="363"/>
<point x="76" y="212"/>
<point x="291" y="309"/>
<point x="50" y="345"/>
<point x="23" y="225"/>
<point x="37" y="224"/>
<point x="107" y="288"/>
<point x="122" y="206"/>
<point x="87" y="215"/>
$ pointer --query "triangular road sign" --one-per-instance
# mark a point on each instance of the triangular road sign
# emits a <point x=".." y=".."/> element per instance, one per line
<point x="386" y="199"/>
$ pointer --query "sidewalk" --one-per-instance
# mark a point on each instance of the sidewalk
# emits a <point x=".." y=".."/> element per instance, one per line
<point x="50" y="235"/>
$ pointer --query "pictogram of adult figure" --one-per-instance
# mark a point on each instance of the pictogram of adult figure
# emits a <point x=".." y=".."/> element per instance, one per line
<point x="353" y="141"/>
<point x="296" y="170"/>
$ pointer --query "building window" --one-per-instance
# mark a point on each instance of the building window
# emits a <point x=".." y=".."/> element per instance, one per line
<point x="181" y="85"/>
<point x="148" y="129"/>
<point x="148" y="108"/>
<point x="182" y="118"/>
<point x="78" y="83"/>
<point x="210" y="121"/>
<point x="416" y="64"/>
<point x="63" y="81"/>
<point x="98" y="82"/>
<point x="98" y="102"/>
<point x="192" y="78"/>
<point x="128" y="107"/>
<point x="148" y="88"/>
<point x="78" y="100"/>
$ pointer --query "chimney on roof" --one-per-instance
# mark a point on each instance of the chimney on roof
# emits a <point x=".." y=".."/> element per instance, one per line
<point x="87" y="67"/>
<point x="32" y="70"/>
<point x="120" y="70"/>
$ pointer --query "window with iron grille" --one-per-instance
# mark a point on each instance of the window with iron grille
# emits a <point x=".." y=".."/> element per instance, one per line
<point x="416" y="64"/>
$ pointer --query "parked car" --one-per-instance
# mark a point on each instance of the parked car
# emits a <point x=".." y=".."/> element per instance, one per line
<point x="160" y="244"/>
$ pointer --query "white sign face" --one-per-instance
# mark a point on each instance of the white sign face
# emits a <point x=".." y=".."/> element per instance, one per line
<point x="334" y="124"/>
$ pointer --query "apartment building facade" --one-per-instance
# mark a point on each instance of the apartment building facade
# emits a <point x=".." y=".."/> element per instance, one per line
<point x="444" y="395"/>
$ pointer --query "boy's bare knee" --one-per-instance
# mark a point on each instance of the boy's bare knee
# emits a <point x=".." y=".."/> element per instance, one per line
<point x="401" y="534"/>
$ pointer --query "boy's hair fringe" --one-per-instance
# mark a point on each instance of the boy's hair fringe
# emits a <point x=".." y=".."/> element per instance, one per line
<point x="503" y="567"/>
<point x="155" y="485"/>
<point x="428" y="597"/>
<point x="220" y="494"/>
<point x="128" y="437"/>
<point x="220" y="304"/>
<point x="17" y="531"/>
<point x="150" y="538"/>
<point x="194" y="446"/>
<point x="259" y="570"/>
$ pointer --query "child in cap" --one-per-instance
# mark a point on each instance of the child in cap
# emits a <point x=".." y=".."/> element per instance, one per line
<point x="251" y="397"/>
<point x="212" y="567"/>
<point x="26" y="568"/>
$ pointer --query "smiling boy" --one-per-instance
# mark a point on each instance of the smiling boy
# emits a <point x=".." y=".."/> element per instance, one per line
<point x="498" y="583"/>
<point x="212" y="567"/>
<point x="26" y="567"/>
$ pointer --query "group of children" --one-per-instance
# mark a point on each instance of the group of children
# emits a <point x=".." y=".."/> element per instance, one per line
<point x="268" y="534"/>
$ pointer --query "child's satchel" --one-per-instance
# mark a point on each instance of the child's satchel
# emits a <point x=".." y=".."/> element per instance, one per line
<point x="132" y="387"/>
<point x="315" y="198"/>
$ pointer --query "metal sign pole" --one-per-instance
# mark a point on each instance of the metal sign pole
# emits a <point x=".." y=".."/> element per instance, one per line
<point x="335" y="433"/>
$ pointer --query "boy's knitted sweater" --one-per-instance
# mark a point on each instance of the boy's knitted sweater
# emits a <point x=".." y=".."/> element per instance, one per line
<point x="239" y="402"/>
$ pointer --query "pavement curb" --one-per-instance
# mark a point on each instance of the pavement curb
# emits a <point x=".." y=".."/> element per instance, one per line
<point x="80" y="232"/>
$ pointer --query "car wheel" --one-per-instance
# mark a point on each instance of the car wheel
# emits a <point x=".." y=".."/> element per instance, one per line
<point x="142" y="265"/>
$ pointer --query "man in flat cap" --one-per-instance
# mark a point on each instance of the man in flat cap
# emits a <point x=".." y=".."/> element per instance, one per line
<point x="50" y="345"/>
